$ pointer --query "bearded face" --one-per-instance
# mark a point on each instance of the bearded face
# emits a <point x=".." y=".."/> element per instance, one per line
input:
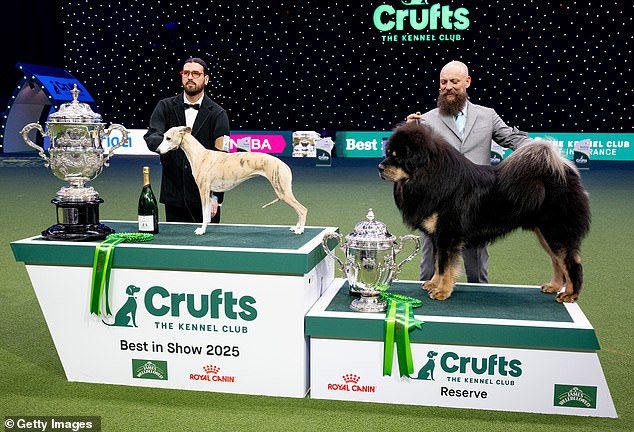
<point x="454" y="81"/>
<point x="451" y="101"/>
<point x="193" y="87"/>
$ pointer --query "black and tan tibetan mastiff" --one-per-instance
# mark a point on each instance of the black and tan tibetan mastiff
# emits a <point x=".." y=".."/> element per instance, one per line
<point x="461" y="204"/>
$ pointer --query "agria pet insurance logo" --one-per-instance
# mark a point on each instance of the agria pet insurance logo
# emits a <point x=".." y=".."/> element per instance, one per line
<point x="421" y="21"/>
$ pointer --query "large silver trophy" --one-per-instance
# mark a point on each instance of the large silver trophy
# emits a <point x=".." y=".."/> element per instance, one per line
<point x="370" y="261"/>
<point x="76" y="155"/>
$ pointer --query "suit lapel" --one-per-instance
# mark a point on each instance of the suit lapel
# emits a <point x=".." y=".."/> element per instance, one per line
<point x="178" y="108"/>
<point x="472" y="116"/>
<point x="451" y="124"/>
<point x="203" y="114"/>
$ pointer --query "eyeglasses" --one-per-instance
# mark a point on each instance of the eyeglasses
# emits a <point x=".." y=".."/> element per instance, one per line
<point x="193" y="74"/>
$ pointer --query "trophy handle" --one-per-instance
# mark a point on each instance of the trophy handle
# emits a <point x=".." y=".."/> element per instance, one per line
<point x="324" y="243"/>
<point x="397" y="249"/>
<point x="124" y="139"/>
<point x="25" y="136"/>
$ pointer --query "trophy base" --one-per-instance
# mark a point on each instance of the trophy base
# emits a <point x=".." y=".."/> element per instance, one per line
<point x="368" y="304"/>
<point x="77" y="221"/>
<point x="354" y="293"/>
<point x="89" y="232"/>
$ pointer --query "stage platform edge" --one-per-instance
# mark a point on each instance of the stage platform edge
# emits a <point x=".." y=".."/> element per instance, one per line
<point x="497" y="347"/>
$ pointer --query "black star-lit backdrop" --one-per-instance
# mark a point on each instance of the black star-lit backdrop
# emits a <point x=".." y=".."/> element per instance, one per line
<point x="312" y="65"/>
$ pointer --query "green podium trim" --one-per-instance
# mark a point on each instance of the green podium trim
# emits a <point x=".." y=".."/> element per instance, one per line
<point x="224" y="248"/>
<point x="479" y="315"/>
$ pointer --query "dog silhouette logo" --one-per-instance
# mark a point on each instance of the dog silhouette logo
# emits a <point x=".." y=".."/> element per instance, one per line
<point x="426" y="373"/>
<point x="126" y="316"/>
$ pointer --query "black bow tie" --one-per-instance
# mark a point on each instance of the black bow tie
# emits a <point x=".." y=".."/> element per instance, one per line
<point x="195" y="106"/>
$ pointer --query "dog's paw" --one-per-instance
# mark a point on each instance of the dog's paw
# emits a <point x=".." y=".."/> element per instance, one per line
<point x="438" y="294"/>
<point x="567" y="298"/>
<point x="297" y="229"/>
<point x="200" y="231"/>
<point x="550" y="288"/>
<point x="429" y="285"/>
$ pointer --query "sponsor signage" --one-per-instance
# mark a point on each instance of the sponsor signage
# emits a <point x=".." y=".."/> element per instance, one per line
<point x="323" y="152"/>
<point x="595" y="146"/>
<point x="184" y="330"/>
<point x="491" y="378"/>
<point x="575" y="396"/>
<point x="370" y="144"/>
<point x="580" y="147"/>
<point x="262" y="142"/>
<point x="149" y="369"/>
<point x="361" y="144"/>
<point x="134" y="146"/>
<point x="350" y="383"/>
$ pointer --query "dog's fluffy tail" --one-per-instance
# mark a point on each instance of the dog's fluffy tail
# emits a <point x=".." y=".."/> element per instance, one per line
<point x="523" y="175"/>
<point x="271" y="203"/>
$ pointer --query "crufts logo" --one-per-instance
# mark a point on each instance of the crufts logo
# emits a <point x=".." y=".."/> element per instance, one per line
<point x="158" y="302"/>
<point x="211" y="374"/>
<point x="351" y="385"/>
<point x="575" y="396"/>
<point x="494" y="369"/>
<point x="415" y="18"/>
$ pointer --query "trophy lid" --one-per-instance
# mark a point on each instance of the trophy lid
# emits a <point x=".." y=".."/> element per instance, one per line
<point x="370" y="234"/>
<point x="75" y="112"/>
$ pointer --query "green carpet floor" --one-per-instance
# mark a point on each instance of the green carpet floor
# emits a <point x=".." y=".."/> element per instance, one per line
<point x="32" y="381"/>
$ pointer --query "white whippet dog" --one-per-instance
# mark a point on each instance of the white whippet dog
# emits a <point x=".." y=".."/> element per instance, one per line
<point x="216" y="171"/>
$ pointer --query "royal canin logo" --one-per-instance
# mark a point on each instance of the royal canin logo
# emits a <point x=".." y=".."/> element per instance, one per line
<point x="211" y="374"/>
<point x="211" y="369"/>
<point x="351" y="378"/>
<point x="350" y="384"/>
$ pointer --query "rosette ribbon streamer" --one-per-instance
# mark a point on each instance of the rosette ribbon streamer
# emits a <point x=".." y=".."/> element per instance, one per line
<point x="399" y="321"/>
<point x="102" y="266"/>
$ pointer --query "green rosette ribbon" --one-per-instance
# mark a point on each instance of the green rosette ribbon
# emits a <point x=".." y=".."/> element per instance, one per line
<point x="399" y="321"/>
<point x="102" y="266"/>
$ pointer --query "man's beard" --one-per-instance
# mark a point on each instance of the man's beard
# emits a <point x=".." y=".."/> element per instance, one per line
<point x="451" y="107"/>
<point x="194" y="91"/>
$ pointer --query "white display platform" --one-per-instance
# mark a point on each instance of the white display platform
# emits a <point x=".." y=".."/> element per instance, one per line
<point x="222" y="312"/>
<point x="507" y="348"/>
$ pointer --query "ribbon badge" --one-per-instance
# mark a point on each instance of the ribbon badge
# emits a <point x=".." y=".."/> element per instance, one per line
<point x="399" y="321"/>
<point x="102" y="266"/>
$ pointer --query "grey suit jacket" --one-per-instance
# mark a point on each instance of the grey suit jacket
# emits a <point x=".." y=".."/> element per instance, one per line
<point x="482" y="126"/>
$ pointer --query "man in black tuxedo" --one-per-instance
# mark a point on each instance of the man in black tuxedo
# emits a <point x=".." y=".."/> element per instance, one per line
<point x="209" y="123"/>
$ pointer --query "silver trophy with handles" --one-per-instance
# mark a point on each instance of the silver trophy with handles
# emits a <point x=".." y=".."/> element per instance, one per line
<point x="76" y="156"/>
<point x="370" y="261"/>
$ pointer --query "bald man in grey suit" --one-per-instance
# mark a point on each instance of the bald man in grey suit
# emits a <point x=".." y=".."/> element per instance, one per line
<point x="470" y="128"/>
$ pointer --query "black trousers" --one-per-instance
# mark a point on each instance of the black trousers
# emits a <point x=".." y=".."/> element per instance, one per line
<point x="187" y="214"/>
<point x="476" y="261"/>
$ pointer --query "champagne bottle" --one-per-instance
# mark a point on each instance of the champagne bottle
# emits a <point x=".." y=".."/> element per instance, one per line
<point x="148" y="207"/>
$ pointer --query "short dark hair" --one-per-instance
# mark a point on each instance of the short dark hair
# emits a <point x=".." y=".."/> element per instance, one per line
<point x="200" y="62"/>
